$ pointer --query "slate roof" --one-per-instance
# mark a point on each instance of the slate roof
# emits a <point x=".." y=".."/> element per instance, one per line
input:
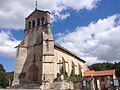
<point x="36" y="10"/>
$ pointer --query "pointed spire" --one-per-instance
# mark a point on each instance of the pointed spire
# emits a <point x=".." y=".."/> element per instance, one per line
<point x="36" y="3"/>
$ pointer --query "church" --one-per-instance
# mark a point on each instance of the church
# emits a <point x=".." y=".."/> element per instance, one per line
<point x="38" y="57"/>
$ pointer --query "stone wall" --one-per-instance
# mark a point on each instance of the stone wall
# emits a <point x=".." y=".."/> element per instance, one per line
<point x="62" y="85"/>
<point x="37" y="57"/>
<point x="59" y="55"/>
<point x="37" y="49"/>
<point x="21" y="57"/>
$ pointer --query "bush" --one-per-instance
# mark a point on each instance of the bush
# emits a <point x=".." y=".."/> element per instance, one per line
<point x="74" y="77"/>
<point x="63" y="72"/>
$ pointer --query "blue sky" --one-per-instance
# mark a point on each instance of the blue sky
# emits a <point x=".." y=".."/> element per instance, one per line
<point x="89" y="28"/>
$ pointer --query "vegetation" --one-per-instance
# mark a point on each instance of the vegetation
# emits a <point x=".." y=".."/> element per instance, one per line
<point x="4" y="77"/>
<point x="96" y="67"/>
<point x="106" y="66"/>
<point x="63" y="72"/>
<point x="73" y="76"/>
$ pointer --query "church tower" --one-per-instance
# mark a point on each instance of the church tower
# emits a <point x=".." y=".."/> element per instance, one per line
<point x="35" y="54"/>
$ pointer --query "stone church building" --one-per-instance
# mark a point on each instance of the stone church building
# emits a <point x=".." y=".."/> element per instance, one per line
<point x="38" y="57"/>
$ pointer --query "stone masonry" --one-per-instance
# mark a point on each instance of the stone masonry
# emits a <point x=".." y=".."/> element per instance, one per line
<point x="38" y="58"/>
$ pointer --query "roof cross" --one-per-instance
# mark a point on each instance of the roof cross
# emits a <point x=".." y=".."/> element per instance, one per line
<point x="36" y="4"/>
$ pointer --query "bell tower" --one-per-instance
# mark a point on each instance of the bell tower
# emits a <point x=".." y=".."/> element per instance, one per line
<point x="37" y="23"/>
<point x="35" y="54"/>
<point x="38" y="34"/>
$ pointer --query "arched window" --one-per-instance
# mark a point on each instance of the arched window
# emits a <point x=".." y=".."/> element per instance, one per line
<point x="42" y="20"/>
<point x="73" y="67"/>
<point x="38" y="22"/>
<point x="80" y="72"/>
<point x="29" y="24"/>
<point x="33" y="23"/>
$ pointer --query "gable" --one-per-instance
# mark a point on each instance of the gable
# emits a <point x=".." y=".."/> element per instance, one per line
<point x="68" y="52"/>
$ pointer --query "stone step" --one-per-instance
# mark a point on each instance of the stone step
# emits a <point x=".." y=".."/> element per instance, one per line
<point x="28" y="86"/>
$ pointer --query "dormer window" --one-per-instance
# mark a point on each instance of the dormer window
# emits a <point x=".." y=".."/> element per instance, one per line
<point x="29" y="24"/>
<point x="33" y="23"/>
<point x="38" y="22"/>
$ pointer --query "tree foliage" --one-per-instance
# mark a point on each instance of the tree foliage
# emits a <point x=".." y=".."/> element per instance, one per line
<point x="73" y="77"/>
<point x="4" y="77"/>
<point x="102" y="66"/>
<point x="63" y="72"/>
<point x="117" y="69"/>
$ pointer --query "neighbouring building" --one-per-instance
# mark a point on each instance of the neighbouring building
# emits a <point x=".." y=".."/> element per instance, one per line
<point x="38" y="57"/>
<point x="101" y="79"/>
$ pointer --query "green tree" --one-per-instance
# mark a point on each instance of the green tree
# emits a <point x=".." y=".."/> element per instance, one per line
<point x="109" y="66"/>
<point x="2" y="70"/>
<point x="102" y="66"/>
<point x="63" y="72"/>
<point x="4" y="77"/>
<point x="117" y="69"/>
<point x="97" y="67"/>
<point x="73" y="77"/>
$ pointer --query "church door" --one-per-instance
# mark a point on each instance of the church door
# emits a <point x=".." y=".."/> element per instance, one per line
<point x="33" y="73"/>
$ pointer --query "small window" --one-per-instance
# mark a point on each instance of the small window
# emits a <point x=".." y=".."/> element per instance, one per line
<point x="102" y="79"/>
<point x="38" y="22"/>
<point x="33" y="23"/>
<point x="42" y="20"/>
<point x="80" y="72"/>
<point x="73" y="67"/>
<point x="29" y="24"/>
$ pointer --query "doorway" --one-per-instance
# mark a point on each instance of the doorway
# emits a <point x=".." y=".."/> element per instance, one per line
<point x="33" y="73"/>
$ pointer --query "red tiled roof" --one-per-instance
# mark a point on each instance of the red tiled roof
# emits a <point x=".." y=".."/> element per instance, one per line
<point x="99" y="73"/>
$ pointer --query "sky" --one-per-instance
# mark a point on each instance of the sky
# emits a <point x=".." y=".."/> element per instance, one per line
<point x="88" y="28"/>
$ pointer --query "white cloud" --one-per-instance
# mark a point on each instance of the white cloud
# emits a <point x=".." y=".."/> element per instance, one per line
<point x="80" y="4"/>
<point x="13" y="12"/>
<point x="7" y="45"/>
<point x="99" y="40"/>
<point x="64" y="16"/>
